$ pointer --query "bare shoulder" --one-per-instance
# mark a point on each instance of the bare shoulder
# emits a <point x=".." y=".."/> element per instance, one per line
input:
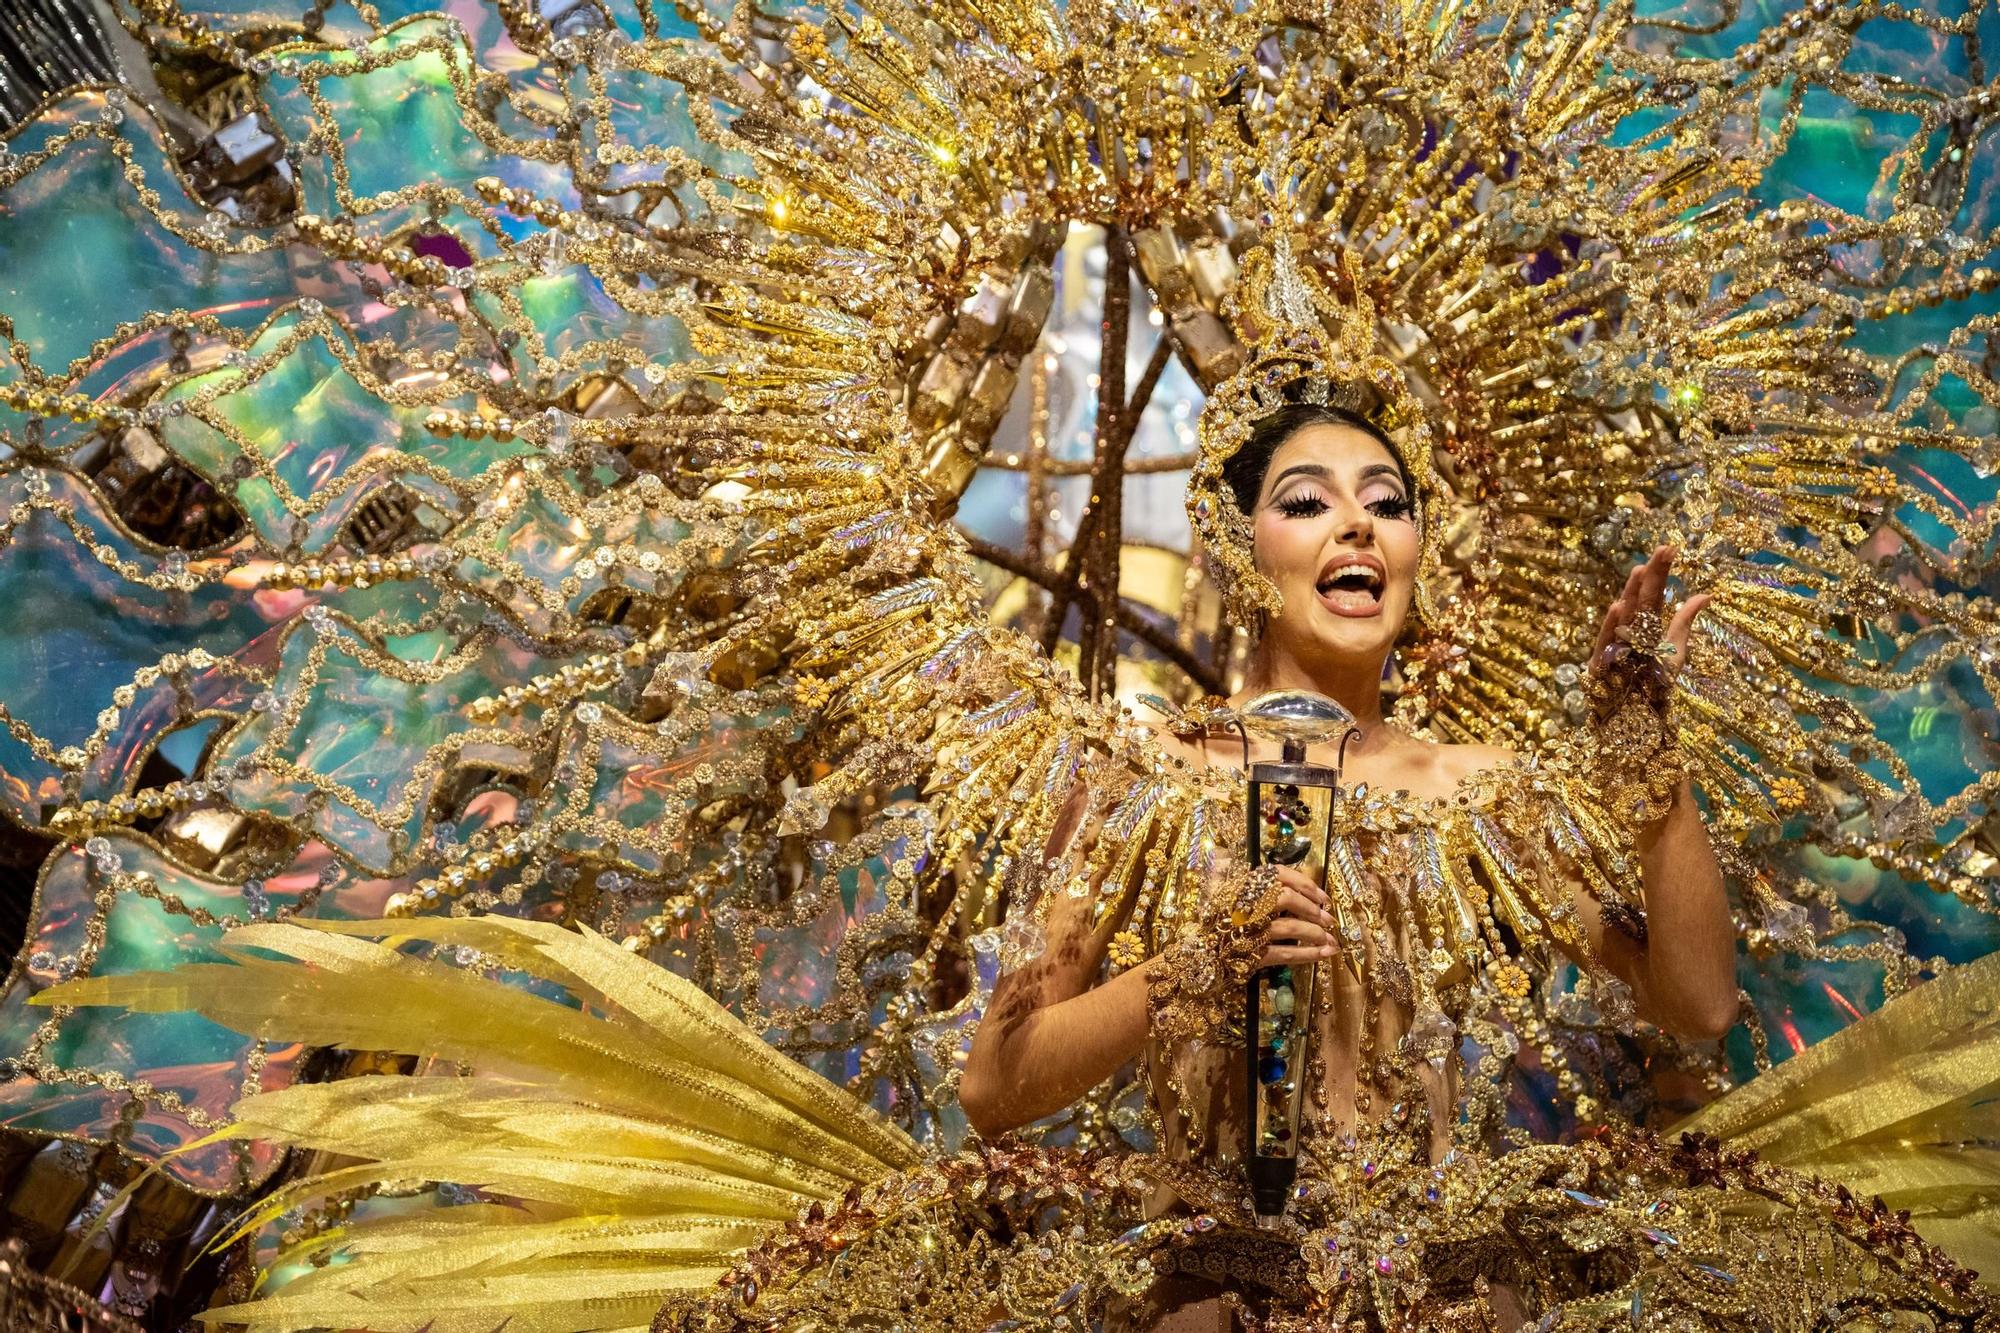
<point x="1179" y="747"/>
<point x="1462" y="761"/>
<point x="1429" y="769"/>
<point x="1222" y="754"/>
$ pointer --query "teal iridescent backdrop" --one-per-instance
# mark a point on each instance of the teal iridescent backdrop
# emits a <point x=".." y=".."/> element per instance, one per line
<point x="294" y="491"/>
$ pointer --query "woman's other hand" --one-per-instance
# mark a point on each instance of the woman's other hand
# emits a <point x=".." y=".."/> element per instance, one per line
<point x="1301" y="932"/>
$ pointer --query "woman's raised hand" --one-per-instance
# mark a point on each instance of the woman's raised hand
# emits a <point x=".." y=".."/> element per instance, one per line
<point x="1635" y="617"/>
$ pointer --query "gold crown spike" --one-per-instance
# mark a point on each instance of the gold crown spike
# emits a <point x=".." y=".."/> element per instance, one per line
<point x="1304" y="345"/>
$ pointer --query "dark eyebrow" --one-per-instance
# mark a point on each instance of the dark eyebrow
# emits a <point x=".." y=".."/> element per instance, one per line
<point x="1301" y="470"/>
<point x="1321" y="473"/>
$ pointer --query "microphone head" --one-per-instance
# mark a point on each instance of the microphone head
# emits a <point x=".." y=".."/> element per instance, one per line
<point x="1295" y="715"/>
<point x="1296" y="719"/>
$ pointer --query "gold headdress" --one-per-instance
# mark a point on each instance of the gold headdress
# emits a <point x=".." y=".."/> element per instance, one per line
<point x="1302" y="344"/>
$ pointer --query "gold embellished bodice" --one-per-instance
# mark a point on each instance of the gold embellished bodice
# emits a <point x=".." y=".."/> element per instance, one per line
<point x="1448" y="909"/>
<point x="1386" y="1014"/>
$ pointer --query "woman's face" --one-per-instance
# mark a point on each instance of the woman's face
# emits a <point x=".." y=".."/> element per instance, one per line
<point x="1337" y="534"/>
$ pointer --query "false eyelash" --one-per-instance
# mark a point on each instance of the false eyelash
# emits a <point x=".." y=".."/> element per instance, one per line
<point x="1395" y="507"/>
<point x="1302" y="506"/>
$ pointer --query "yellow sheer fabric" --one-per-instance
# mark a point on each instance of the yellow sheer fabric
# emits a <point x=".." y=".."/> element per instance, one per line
<point x="639" y="1143"/>
<point x="1905" y="1104"/>
<point x="641" y="1140"/>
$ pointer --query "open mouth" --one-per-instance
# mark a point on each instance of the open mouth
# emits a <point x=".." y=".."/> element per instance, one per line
<point x="1353" y="587"/>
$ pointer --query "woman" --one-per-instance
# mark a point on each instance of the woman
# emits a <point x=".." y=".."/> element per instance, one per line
<point x="1336" y="530"/>
<point x="1457" y="874"/>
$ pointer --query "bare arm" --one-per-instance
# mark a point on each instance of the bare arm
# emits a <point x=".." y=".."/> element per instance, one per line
<point x="1051" y="1033"/>
<point x="1684" y="975"/>
<point x="1039" y="1049"/>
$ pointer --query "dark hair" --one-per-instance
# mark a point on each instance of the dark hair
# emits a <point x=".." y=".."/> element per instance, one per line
<point x="1244" y="472"/>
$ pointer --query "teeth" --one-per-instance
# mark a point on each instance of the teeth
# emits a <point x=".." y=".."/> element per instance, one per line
<point x="1352" y="577"/>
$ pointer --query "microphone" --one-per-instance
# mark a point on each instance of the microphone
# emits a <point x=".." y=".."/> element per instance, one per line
<point x="1291" y="806"/>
